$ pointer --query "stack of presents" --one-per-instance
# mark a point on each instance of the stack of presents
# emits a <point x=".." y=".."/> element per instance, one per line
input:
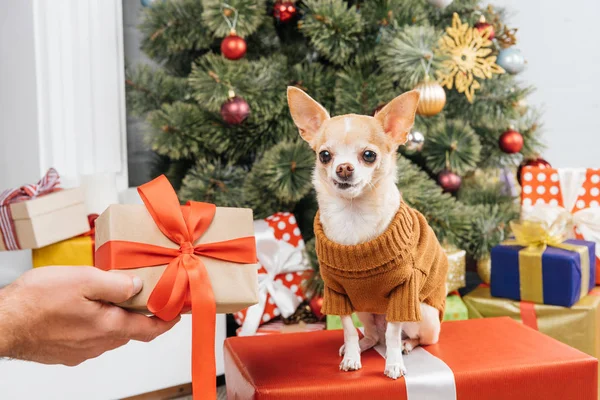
<point x="532" y="331"/>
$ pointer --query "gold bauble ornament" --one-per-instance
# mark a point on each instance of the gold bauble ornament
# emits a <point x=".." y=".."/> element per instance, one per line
<point x="484" y="269"/>
<point x="433" y="98"/>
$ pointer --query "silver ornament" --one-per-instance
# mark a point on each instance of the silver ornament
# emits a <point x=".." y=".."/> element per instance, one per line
<point x="415" y="141"/>
<point x="440" y="3"/>
<point x="511" y="60"/>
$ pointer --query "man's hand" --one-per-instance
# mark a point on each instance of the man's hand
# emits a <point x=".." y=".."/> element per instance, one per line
<point x="62" y="315"/>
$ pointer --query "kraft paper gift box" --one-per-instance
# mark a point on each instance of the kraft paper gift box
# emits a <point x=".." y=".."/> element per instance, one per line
<point x="492" y="359"/>
<point x="196" y="257"/>
<point x="35" y="216"/>
<point x="234" y="285"/>
<point x="75" y="251"/>
<point x="573" y="193"/>
<point x="578" y="326"/>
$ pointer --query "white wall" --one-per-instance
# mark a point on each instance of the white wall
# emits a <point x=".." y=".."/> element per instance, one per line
<point x="560" y="43"/>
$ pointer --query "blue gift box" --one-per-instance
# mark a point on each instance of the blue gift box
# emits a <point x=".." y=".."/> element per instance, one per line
<point x="561" y="273"/>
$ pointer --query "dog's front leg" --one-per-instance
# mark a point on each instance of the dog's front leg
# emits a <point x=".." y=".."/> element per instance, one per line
<point x="351" y="348"/>
<point x="394" y="364"/>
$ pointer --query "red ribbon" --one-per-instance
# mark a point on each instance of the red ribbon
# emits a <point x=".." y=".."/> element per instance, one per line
<point x="185" y="275"/>
<point x="48" y="184"/>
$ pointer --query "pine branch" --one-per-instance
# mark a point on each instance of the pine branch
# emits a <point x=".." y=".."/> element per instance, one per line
<point x="250" y="16"/>
<point x="171" y="29"/>
<point x="452" y="145"/>
<point x="214" y="182"/>
<point x="406" y="54"/>
<point x="360" y="89"/>
<point x="148" y="89"/>
<point x="334" y="29"/>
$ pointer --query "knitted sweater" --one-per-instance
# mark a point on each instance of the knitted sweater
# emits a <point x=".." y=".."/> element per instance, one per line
<point x="391" y="274"/>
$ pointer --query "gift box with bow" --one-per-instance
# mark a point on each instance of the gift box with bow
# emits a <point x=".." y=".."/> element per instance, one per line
<point x="194" y="257"/>
<point x="571" y="194"/>
<point x="34" y="216"/>
<point x="540" y="266"/>
<point x="75" y="251"/>
<point x="522" y="364"/>
<point x="283" y="269"/>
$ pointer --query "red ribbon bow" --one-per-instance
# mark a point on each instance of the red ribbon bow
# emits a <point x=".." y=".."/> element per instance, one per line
<point x="48" y="184"/>
<point x="185" y="276"/>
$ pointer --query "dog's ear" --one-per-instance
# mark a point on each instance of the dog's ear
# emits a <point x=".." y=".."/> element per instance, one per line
<point x="308" y="115"/>
<point x="398" y="116"/>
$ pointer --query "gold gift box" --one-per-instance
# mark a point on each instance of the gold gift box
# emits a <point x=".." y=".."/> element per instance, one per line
<point x="456" y="269"/>
<point x="577" y="326"/>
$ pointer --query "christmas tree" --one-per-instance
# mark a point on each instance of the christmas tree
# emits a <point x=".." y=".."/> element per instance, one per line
<point x="217" y="114"/>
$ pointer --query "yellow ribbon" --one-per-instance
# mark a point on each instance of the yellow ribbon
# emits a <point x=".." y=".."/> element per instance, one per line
<point x="535" y="237"/>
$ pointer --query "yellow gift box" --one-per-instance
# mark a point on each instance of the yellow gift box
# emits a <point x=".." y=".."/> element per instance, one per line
<point x="577" y="326"/>
<point x="76" y="251"/>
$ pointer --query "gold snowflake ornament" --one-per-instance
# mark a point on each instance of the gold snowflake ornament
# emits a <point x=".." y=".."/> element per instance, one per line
<point x="468" y="52"/>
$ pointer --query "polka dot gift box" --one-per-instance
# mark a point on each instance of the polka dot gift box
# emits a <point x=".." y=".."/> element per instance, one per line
<point x="283" y="268"/>
<point x="549" y="194"/>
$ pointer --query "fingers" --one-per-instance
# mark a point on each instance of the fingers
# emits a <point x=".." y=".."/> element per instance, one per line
<point x="133" y="326"/>
<point x="110" y="287"/>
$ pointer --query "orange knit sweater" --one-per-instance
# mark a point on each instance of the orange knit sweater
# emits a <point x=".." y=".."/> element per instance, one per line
<point x="390" y="274"/>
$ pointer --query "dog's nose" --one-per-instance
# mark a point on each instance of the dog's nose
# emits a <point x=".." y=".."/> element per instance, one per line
<point x="344" y="170"/>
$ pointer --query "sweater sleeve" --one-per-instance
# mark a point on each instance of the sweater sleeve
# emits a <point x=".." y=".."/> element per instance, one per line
<point x="335" y="303"/>
<point x="404" y="305"/>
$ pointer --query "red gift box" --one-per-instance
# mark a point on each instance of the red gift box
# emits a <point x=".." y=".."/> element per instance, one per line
<point x="492" y="359"/>
<point x="278" y="327"/>
<point x="570" y="193"/>
<point x="283" y="269"/>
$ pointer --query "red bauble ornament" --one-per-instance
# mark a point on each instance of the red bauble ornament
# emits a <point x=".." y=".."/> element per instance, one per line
<point x="537" y="162"/>
<point x="511" y="141"/>
<point x="316" y="303"/>
<point x="235" y="110"/>
<point x="449" y="181"/>
<point x="284" y="10"/>
<point x="233" y="47"/>
<point x="482" y="26"/>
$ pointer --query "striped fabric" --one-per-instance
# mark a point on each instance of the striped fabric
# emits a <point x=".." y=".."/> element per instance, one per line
<point x="47" y="184"/>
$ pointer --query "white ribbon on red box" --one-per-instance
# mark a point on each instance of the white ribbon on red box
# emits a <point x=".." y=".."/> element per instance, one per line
<point x="277" y="257"/>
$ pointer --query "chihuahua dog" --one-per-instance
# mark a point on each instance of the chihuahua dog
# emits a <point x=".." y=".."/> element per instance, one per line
<point x="355" y="181"/>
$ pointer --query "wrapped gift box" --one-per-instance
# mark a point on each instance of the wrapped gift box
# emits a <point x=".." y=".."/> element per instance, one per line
<point x="456" y="269"/>
<point x="557" y="276"/>
<point x="578" y="326"/>
<point x="282" y="273"/>
<point x="47" y="219"/>
<point x="234" y="285"/>
<point x="278" y="327"/>
<point x="75" y="251"/>
<point x="488" y="359"/>
<point x="551" y="193"/>
<point x="456" y="309"/>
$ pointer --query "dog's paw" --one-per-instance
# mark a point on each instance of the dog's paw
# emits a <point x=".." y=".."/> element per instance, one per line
<point x="395" y="370"/>
<point x="408" y="345"/>
<point x="351" y="360"/>
<point x="394" y="363"/>
<point x="364" y="344"/>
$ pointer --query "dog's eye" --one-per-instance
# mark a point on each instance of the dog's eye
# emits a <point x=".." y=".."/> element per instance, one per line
<point x="369" y="156"/>
<point x="325" y="156"/>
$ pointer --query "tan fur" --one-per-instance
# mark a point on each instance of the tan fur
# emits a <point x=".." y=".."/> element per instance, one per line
<point x="362" y="210"/>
